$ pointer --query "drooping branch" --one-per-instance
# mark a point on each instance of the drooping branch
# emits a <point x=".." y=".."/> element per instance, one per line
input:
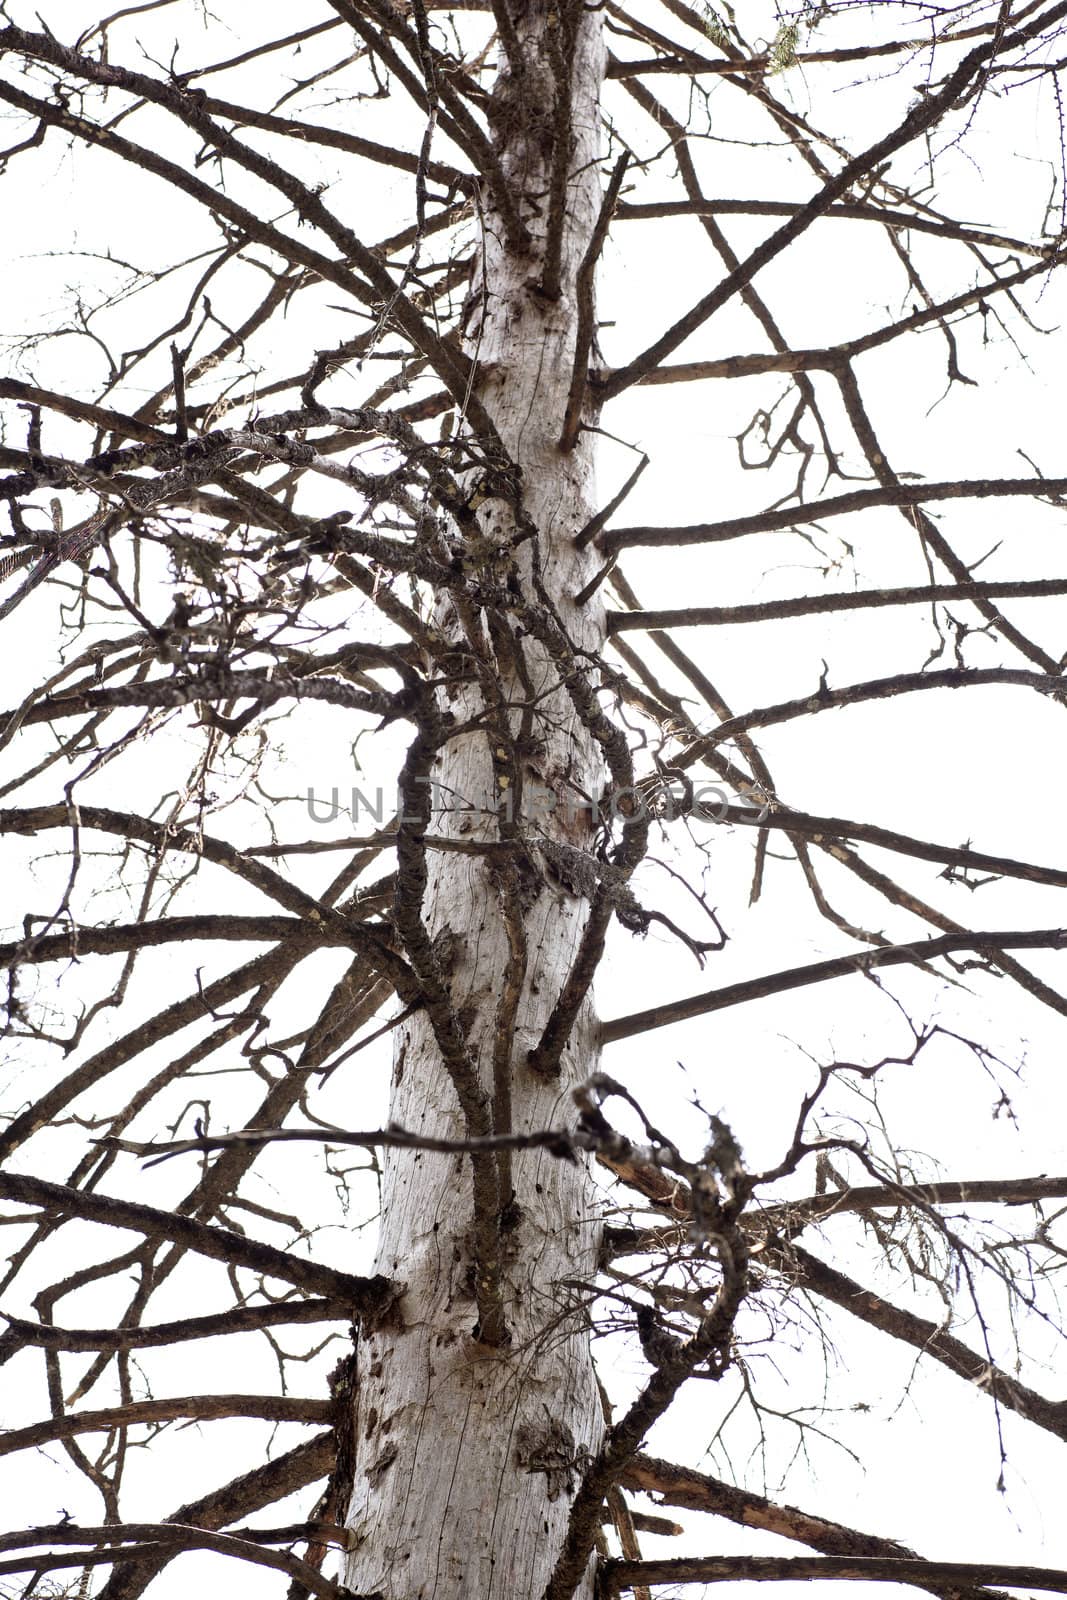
<point x="31" y="820"/>
<point x="366" y="1296"/>
<point x="697" y="1491"/>
<point x="926" y="1337"/>
<point x="959" y="859"/>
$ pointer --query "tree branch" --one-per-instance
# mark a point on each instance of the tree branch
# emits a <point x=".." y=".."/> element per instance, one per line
<point x="366" y="1296"/>
<point x="861" y="961"/>
<point x="944" y="1575"/>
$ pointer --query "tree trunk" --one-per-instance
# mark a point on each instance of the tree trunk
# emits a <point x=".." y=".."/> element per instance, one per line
<point x="470" y="1441"/>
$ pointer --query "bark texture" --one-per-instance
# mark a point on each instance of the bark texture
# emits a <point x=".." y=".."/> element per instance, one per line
<point x="470" y="1440"/>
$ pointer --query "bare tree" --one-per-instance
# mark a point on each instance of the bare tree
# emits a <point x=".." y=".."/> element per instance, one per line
<point x="355" y="375"/>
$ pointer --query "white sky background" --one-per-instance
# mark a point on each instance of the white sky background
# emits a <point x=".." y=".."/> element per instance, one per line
<point x="984" y="765"/>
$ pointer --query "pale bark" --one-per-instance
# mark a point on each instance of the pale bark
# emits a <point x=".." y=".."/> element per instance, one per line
<point x="468" y="1454"/>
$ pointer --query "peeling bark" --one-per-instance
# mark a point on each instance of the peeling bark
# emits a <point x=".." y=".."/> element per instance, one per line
<point x="471" y="1441"/>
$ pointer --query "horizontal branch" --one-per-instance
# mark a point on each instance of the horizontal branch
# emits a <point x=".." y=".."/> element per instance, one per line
<point x="793" y="1214"/>
<point x="862" y="961"/>
<point x="170" y="693"/>
<point x="202" y="1407"/>
<point x="558" y="1141"/>
<point x="136" y="1532"/>
<point x="906" y="221"/>
<point x="787" y="1218"/>
<point x="898" y="494"/>
<point x="123" y="936"/>
<point x="241" y="1319"/>
<point x="564" y="1143"/>
<point x="365" y="1296"/>
<point x="619" y="1575"/>
<point x="820" y="604"/>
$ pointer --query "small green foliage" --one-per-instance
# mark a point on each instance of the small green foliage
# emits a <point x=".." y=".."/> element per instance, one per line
<point x="714" y="26"/>
<point x="783" y="51"/>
